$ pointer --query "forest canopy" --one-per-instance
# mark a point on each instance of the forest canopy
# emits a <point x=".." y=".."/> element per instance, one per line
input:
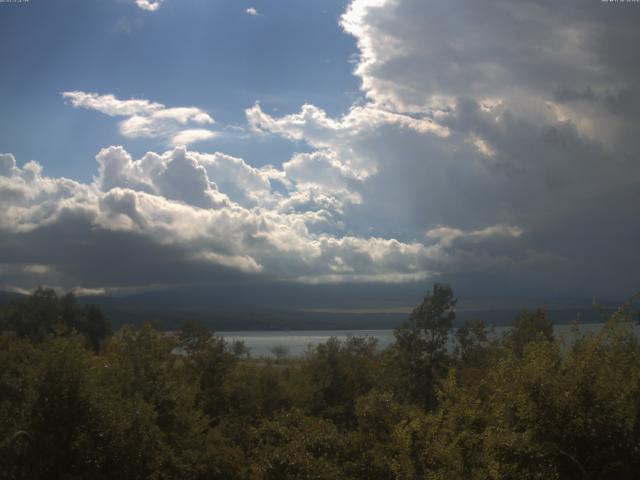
<point x="80" y="401"/>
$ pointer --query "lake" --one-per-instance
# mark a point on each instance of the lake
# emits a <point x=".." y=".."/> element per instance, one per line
<point x="298" y="341"/>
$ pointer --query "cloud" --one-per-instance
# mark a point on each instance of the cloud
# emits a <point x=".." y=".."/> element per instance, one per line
<point x="146" y="119"/>
<point x="496" y="148"/>
<point x="187" y="137"/>
<point x="252" y="11"/>
<point x="39" y="269"/>
<point x="242" y="183"/>
<point x="110" y="105"/>
<point x="343" y="135"/>
<point x="167" y="205"/>
<point x="492" y="120"/>
<point x="168" y="216"/>
<point x="149" y="5"/>
<point x="86" y="292"/>
<point x="176" y="175"/>
<point x="418" y="56"/>
<point x="447" y="236"/>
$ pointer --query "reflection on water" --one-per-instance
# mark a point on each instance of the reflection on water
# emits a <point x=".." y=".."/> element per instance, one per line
<point x="297" y="342"/>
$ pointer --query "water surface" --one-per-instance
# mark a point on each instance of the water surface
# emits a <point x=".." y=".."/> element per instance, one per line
<point x="297" y="342"/>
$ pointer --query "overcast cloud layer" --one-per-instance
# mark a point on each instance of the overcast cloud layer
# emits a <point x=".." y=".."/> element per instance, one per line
<point x="496" y="140"/>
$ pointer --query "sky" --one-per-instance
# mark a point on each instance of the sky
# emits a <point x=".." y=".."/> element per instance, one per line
<point x="327" y="148"/>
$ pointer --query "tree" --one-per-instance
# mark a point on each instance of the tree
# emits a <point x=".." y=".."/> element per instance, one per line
<point x="239" y="349"/>
<point x="279" y="351"/>
<point x="252" y="393"/>
<point x="19" y="369"/>
<point x="529" y="326"/>
<point x="341" y="371"/>
<point x="194" y="336"/>
<point x="207" y="361"/>
<point x="44" y="313"/>
<point x="472" y="338"/>
<point x="295" y="446"/>
<point x="422" y="341"/>
<point x="93" y="325"/>
<point x="35" y="316"/>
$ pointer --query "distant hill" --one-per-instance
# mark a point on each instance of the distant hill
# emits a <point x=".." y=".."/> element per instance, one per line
<point x="8" y="297"/>
<point x="169" y="309"/>
<point x="170" y="315"/>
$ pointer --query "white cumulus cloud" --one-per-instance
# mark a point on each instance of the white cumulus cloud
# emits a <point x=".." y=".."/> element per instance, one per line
<point x="149" y="5"/>
<point x="171" y="205"/>
<point x="146" y="119"/>
<point x="187" y="137"/>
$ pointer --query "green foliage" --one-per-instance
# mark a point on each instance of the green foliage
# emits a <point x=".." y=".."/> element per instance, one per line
<point x="379" y="447"/>
<point x="194" y="337"/>
<point x="295" y="446"/>
<point x="152" y="405"/>
<point x="339" y="372"/>
<point x="19" y="361"/>
<point x="527" y="327"/>
<point x="472" y="338"/>
<point x="206" y="362"/>
<point x="85" y="426"/>
<point x="44" y="313"/>
<point x="256" y="392"/>
<point x="421" y="344"/>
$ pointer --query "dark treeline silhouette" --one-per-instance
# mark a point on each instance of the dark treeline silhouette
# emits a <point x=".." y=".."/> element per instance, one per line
<point x="45" y="313"/>
<point x="80" y="402"/>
